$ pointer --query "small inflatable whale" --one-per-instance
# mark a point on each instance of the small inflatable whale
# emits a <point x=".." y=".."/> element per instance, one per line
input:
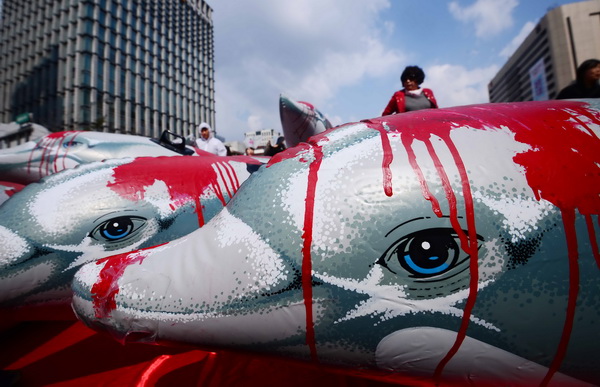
<point x="300" y="120"/>
<point x="29" y="162"/>
<point x="456" y="246"/>
<point x="98" y="209"/>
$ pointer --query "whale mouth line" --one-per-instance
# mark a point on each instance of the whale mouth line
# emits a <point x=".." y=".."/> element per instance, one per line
<point x="138" y="337"/>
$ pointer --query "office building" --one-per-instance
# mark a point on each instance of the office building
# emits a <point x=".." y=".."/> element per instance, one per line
<point x="548" y="58"/>
<point x="260" y="138"/>
<point x="125" y="66"/>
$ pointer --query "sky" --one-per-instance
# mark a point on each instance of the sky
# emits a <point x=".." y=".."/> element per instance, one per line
<point x="345" y="56"/>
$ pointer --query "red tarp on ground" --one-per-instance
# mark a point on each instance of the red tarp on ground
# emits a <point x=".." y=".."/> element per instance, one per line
<point x="66" y="353"/>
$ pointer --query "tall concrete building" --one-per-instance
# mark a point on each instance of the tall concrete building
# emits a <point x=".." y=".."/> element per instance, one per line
<point x="126" y="66"/>
<point x="547" y="59"/>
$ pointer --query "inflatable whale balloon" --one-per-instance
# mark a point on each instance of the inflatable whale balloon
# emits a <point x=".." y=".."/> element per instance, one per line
<point x="300" y="120"/>
<point x="455" y="246"/>
<point x="98" y="209"/>
<point x="54" y="152"/>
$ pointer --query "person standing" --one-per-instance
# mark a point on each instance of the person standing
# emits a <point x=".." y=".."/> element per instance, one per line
<point x="272" y="150"/>
<point x="412" y="97"/>
<point x="209" y="143"/>
<point x="586" y="84"/>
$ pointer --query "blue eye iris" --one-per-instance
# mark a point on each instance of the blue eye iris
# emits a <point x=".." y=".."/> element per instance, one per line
<point x="424" y="253"/>
<point x="116" y="229"/>
<point x="70" y="144"/>
<point x="428" y="252"/>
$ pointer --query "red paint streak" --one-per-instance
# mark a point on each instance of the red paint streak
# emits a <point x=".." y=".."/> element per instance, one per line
<point x="47" y="145"/>
<point x="290" y="153"/>
<point x="307" y="236"/>
<point x="71" y="141"/>
<point x="307" y="104"/>
<point x="450" y="196"/>
<point x="569" y="224"/>
<point x="225" y="172"/>
<point x="469" y="240"/>
<point x="592" y="236"/>
<point x="388" y="157"/>
<point x="570" y="181"/>
<point x="187" y="178"/>
<point x="470" y="248"/>
<point x="106" y="287"/>
<point x="412" y="159"/>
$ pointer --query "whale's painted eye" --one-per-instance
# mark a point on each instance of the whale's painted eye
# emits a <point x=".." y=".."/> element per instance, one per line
<point x="117" y="229"/>
<point x="71" y="144"/>
<point x="425" y="253"/>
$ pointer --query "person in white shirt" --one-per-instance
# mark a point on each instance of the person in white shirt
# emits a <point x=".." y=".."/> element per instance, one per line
<point x="207" y="142"/>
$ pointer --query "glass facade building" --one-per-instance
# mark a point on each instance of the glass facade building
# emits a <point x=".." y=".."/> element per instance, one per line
<point x="126" y="66"/>
<point x="548" y="58"/>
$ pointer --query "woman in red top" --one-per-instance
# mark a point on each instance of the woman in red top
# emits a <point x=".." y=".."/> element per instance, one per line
<point x="412" y="97"/>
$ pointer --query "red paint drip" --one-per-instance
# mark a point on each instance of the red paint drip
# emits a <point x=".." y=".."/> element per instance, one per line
<point x="199" y="211"/>
<point x="307" y="236"/>
<point x="571" y="234"/>
<point x="412" y="159"/>
<point x="46" y="144"/>
<point x="225" y="172"/>
<point x="186" y="178"/>
<point x="388" y="157"/>
<point x="470" y="247"/>
<point x="106" y="287"/>
<point x="592" y="236"/>
<point x="71" y="140"/>
<point x="468" y="242"/>
<point x="570" y="182"/>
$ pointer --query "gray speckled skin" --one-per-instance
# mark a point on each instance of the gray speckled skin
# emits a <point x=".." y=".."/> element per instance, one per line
<point x="79" y="215"/>
<point x="392" y="277"/>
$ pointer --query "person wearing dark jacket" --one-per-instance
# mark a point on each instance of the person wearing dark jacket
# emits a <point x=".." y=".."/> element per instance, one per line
<point x="586" y="85"/>
<point x="272" y="150"/>
<point x="412" y="96"/>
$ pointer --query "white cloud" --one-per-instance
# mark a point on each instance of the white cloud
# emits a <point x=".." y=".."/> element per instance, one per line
<point x="254" y="123"/>
<point x="307" y="49"/>
<point x="455" y="85"/>
<point x="517" y="40"/>
<point x="490" y="17"/>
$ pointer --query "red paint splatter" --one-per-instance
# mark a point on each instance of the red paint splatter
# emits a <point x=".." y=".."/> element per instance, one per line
<point x="131" y="181"/>
<point x="47" y="145"/>
<point x="423" y="130"/>
<point x="561" y="167"/>
<point x="307" y="236"/>
<point x="388" y="157"/>
<point x="307" y="104"/>
<point x="187" y="178"/>
<point x="106" y="287"/>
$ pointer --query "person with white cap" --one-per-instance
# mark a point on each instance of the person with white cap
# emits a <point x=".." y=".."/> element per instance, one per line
<point x="209" y="143"/>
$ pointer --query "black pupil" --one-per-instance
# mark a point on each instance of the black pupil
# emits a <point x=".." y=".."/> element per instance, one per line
<point x="117" y="228"/>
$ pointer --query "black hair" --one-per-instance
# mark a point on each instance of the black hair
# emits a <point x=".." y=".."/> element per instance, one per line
<point x="413" y="72"/>
<point x="584" y="67"/>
